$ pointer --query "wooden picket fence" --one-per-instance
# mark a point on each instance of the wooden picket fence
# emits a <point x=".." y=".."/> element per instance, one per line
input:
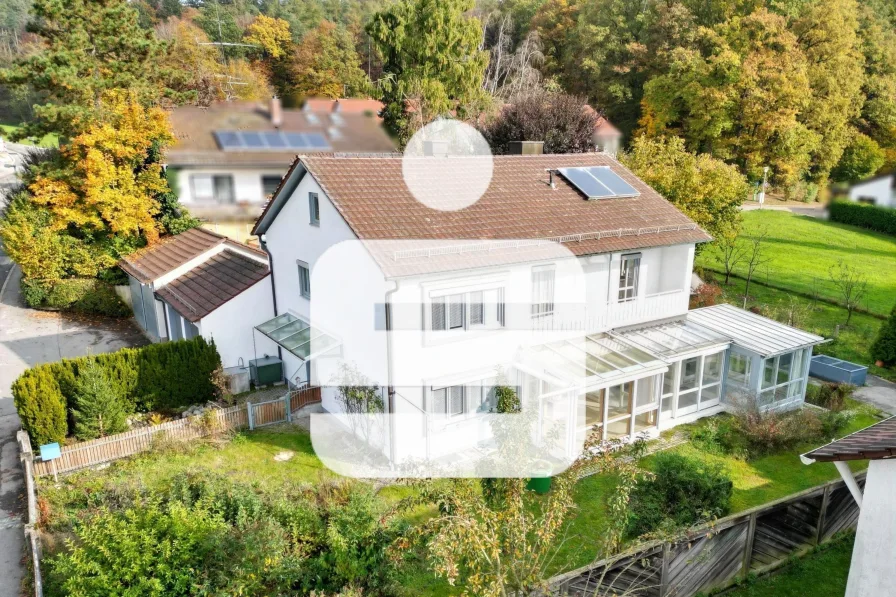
<point x="715" y="556"/>
<point x="106" y="449"/>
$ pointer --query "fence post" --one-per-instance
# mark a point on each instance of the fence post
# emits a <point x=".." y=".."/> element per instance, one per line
<point x="822" y="514"/>
<point x="288" y="405"/>
<point x="664" y="570"/>
<point x="250" y="411"/>
<point x="748" y="546"/>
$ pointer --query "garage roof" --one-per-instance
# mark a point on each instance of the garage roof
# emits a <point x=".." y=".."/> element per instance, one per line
<point x="753" y="332"/>
<point x="871" y="443"/>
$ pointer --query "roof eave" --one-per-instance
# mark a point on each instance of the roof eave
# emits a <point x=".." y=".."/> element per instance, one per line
<point x="280" y="197"/>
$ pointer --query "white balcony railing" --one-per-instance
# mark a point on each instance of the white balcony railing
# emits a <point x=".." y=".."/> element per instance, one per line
<point x="606" y="316"/>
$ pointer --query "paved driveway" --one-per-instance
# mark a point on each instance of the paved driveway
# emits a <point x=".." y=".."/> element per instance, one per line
<point x="29" y="337"/>
<point x="879" y="392"/>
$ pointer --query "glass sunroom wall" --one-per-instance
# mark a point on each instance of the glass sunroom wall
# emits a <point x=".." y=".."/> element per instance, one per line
<point x="783" y="378"/>
<point x="621" y="410"/>
<point x="691" y="386"/>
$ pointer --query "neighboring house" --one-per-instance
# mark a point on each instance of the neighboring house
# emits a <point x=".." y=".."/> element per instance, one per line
<point x="351" y="105"/>
<point x="607" y="138"/>
<point x="229" y="157"/>
<point x="871" y="572"/>
<point x="436" y="325"/>
<point x="879" y="190"/>
<point x="201" y="283"/>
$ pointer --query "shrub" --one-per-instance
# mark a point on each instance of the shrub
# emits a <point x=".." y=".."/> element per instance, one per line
<point x="881" y="219"/>
<point x="682" y="492"/>
<point x="718" y="435"/>
<point x="706" y="295"/>
<point x="884" y="347"/>
<point x="831" y="396"/>
<point x="83" y="295"/>
<point x="97" y="410"/>
<point x="156" y="377"/>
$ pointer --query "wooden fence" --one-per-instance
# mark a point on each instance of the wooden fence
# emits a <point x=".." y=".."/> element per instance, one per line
<point x="32" y="538"/>
<point x="715" y="556"/>
<point x="106" y="449"/>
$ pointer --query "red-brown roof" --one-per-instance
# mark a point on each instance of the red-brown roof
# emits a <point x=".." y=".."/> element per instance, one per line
<point x="604" y="127"/>
<point x="212" y="283"/>
<point x="871" y="443"/>
<point x="150" y="263"/>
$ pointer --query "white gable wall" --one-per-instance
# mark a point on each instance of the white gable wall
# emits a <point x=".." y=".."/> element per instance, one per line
<point x="879" y="190"/>
<point x="247" y="186"/>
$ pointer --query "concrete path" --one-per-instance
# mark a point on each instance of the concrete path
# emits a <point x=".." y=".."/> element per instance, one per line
<point x="814" y="210"/>
<point x="29" y="337"/>
<point x="879" y="392"/>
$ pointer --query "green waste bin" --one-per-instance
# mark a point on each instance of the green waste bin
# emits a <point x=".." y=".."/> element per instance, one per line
<point x="541" y="482"/>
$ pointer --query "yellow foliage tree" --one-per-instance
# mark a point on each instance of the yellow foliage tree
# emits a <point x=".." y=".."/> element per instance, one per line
<point x="105" y="184"/>
<point x="271" y="34"/>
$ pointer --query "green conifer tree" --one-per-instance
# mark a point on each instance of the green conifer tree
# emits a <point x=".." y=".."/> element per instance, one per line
<point x="97" y="410"/>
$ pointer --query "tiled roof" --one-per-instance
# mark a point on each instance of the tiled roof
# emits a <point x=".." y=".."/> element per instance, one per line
<point x="872" y="443"/>
<point x="344" y="105"/>
<point x="195" y="144"/>
<point x="172" y="252"/>
<point x="211" y="284"/>
<point x="150" y="263"/>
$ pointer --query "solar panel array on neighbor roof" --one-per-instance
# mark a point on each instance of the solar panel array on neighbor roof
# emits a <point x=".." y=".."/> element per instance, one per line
<point x="598" y="182"/>
<point x="270" y="141"/>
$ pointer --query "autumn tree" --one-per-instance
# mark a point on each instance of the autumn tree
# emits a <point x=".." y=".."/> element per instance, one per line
<point x="325" y="64"/>
<point x="861" y="158"/>
<point x="432" y="61"/>
<point x="709" y="191"/>
<point x="851" y="284"/>
<point x="89" y="47"/>
<point x="271" y="35"/>
<point x="562" y="121"/>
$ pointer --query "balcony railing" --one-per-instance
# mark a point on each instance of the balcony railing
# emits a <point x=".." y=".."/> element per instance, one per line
<point x="605" y="316"/>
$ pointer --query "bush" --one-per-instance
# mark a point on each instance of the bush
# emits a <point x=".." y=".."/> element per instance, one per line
<point x="156" y="377"/>
<point x="718" y="435"/>
<point x="831" y="396"/>
<point x="82" y="295"/>
<point x="881" y="219"/>
<point x="706" y="295"/>
<point x="884" y="347"/>
<point x="97" y="410"/>
<point x="682" y="492"/>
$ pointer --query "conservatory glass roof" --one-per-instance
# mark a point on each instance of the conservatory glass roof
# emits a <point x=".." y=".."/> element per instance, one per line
<point x="671" y="339"/>
<point x="297" y="336"/>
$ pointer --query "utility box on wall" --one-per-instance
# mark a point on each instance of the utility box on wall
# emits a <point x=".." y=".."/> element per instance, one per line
<point x="266" y="371"/>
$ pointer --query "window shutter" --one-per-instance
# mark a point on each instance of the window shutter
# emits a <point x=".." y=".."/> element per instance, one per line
<point x="457" y="400"/>
<point x="439" y="403"/>
<point x="438" y="313"/>
<point x="456" y="311"/>
<point x="476" y="308"/>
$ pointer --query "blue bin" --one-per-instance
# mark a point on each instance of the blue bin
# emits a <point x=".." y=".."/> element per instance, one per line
<point x="831" y="369"/>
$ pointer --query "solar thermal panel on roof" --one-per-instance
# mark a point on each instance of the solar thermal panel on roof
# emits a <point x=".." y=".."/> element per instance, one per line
<point x="598" y="182"/>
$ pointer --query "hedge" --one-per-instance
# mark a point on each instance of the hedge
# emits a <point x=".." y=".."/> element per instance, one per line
<point x="880" y="219"/>
<point x="164" y="376"/>
<point x="84" y="295"/>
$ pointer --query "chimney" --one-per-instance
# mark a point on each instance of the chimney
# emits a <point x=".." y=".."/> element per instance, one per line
<point x="276" y="112"/>
<point x="525" y="148"/>
<point x="435" y="148"/>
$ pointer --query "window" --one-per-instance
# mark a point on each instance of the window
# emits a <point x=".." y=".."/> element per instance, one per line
<point x="645" y="393"/>
<point x="739" y="369"/>
<point x="314" y="209"/>
<point x="468" y="310"/>
<point x="304" y="280"/>
<point x="216" y="188"/>
<point x="448" y="401"/>
<point x="768" y="373"/>
<point x="689" y="370"/>
<point x="542" y="290"/>
<point x="619" y="400"/>
<point x="628" y="277"/>
<point x="712" y="369"/>
<point x="269" y="185"/>
<point x="645" y="421"/>
<point x="594" y="408"/>
<point x="783" y="378"/>
<point x="784" y="363"/>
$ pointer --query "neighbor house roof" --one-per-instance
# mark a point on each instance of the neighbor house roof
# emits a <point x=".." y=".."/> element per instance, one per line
<point x="344" y="105"/>
<point x="153" y="262"/>
<point x="753" y="332"/>
<point x="196" y="144"/>
<point x="209" y="285"/>
<point x="871" y="443"/>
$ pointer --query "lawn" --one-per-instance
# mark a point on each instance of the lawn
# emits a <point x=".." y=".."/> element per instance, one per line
<point x="801" y="251"/>
<point x="822" y="573"/>
<point x="852" y="343"/>
<point x="50" y="140"/>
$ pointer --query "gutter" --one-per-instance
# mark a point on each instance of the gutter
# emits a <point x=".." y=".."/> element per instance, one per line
<point x="262" y="242"/>
<point x="390" y="389"/>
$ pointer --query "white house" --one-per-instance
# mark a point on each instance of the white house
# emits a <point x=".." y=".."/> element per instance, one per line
<point x="569" y="277"/>
<point x="201" y="283"/>
<point x="871" y="572"/>
<point x="878" y="190"/>
<point x="228" y="158"/>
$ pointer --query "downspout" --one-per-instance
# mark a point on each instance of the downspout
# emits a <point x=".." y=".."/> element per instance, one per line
<point x="262" y="241"/>
<point x="390" y="389"/>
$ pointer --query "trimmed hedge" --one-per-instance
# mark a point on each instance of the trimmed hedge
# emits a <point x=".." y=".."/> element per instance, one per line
<point x="83" y="295"/>
<point x="879" y="219"/>
<point x="156" y="377"/>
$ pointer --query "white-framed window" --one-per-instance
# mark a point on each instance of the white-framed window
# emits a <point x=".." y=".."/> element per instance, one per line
<point x="629" y="270"/>
<point x="622" y="409"/>
<point x="692" y="384"/>
<point x="783" y="377"/>
<point x="217" y="188"/>
<point x="479" y="309"/>
<point x="304" y="279"/>
<point x="463" y="399"/>
<point x="739" y="366"/>
<point x="543" y="290"/>
<point x="448" y="401"/>
<point x="269" y="184"/>
<point x="314" y="209"/>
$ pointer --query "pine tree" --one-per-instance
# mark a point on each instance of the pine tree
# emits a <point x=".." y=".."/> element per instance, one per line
<point x="884" y="347"/>
<point x="97" y="410"/>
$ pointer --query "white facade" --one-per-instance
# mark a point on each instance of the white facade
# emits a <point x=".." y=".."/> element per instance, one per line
<point x="878" y="191"/>
<point x="196" y="187"/>
<point x="872" y="572"/>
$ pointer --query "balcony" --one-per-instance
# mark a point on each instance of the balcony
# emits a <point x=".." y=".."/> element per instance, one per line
<point x="609" y="315"/>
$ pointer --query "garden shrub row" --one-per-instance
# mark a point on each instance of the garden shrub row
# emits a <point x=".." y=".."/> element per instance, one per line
<point x="83" y="295"/>
<point x="163" y="377"/>
<point x="880" y="219"/>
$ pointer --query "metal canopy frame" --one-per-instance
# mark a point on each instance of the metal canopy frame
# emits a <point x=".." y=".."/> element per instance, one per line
<point x="297" y="336"/>
<point x="675" y="339"/>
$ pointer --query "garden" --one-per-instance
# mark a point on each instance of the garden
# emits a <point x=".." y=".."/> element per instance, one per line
<point x="256" y="513"/>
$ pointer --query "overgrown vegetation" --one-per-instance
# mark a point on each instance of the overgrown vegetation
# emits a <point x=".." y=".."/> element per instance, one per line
<point x="155" y="377"/>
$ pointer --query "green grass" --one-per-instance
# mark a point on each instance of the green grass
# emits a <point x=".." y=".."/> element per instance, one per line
<point x="822" y="573"/>
<point x="852" y="343"/>
<point x="802" y="250"/>
<point x="51" y="140"/>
